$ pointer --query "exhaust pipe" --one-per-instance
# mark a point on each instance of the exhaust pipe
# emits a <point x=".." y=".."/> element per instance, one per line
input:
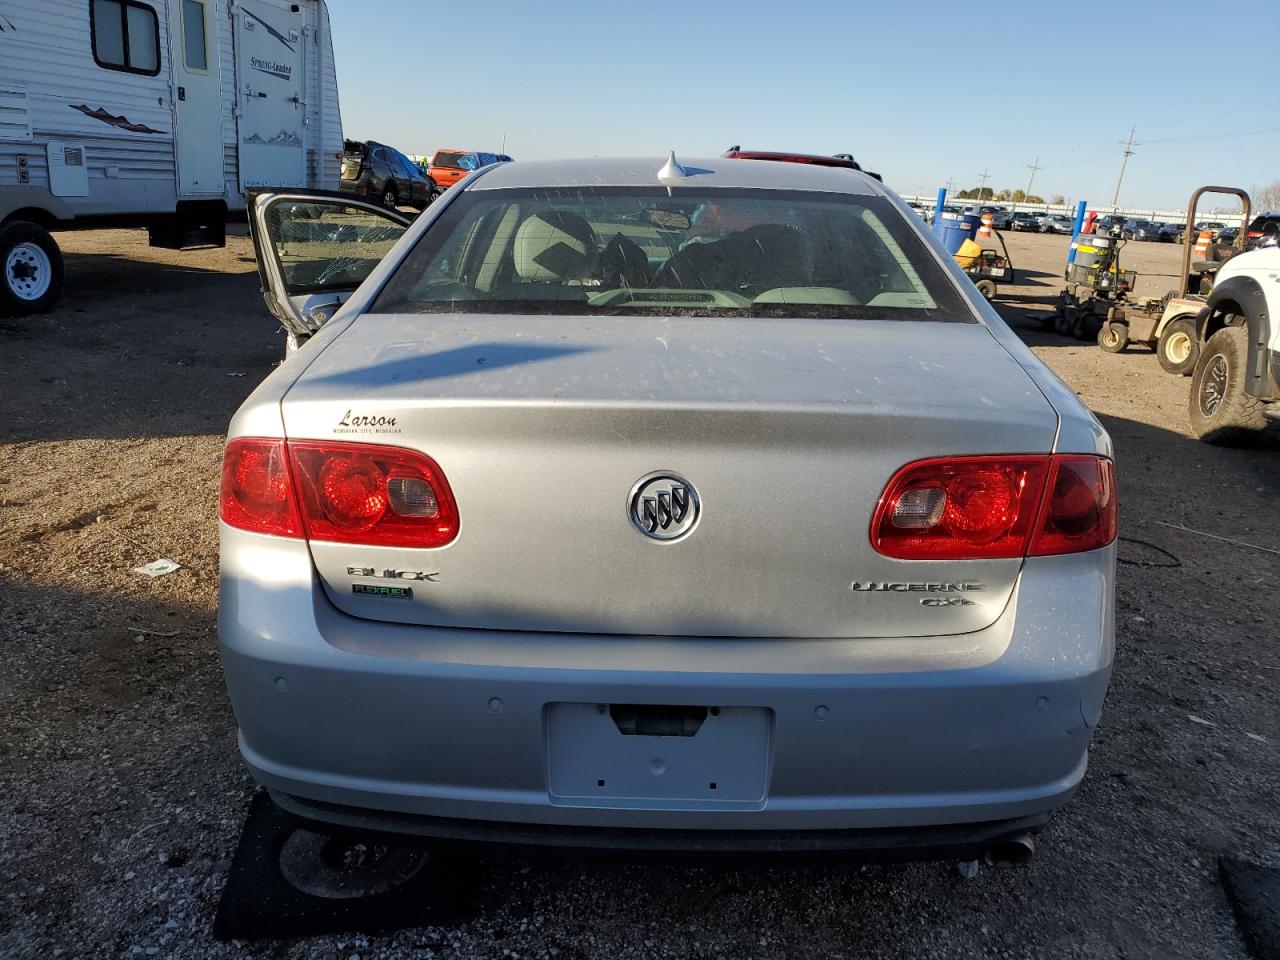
<point x="1012" y="850"/>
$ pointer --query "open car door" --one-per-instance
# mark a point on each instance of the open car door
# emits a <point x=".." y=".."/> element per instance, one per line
<point x="314" y="247"/>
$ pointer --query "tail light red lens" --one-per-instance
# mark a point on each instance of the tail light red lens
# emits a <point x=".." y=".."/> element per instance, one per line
<point x="256" y="492"/>
<point x="972" y="508"/>
<point x="1080" y="510"/>
<point x="344" y="492"/>
<point x="362" y="493"/>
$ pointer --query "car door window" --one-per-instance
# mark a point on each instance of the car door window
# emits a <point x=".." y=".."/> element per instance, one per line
<point x="407" y="169"/>
<point x="327" y="245"/>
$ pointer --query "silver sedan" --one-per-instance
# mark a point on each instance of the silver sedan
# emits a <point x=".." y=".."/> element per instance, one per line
<point x="697" y="504"/>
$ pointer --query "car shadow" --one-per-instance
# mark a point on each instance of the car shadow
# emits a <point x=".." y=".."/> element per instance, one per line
<point x="137" y="348"/>
<point x="445" y="364"/>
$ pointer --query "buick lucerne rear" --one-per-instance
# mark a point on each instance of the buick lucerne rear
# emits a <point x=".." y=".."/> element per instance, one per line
<point x="710" y="508"/>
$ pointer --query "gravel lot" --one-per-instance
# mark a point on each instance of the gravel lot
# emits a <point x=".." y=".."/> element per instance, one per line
<point x="121" y="793"/>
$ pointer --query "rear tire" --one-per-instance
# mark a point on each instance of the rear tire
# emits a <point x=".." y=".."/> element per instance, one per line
<point x="30" y="269"/>
<point x="1113" y="337"/>
<point x="1178" y="347"/>
<point x="1219" y="409"/>
<point x="390" y="198"/>
<point x="987" y="288"/>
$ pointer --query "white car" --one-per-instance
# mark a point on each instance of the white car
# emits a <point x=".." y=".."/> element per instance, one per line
<point x="700" y="506"/>
<point x="1235" y="388"/>
<point x="1056" y="223"/>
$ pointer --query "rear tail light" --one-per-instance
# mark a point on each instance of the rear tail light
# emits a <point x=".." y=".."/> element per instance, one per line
<point x="971" y="508"/>
<point x="1080" y="509"/>
<point x="343" y="492"/>
<point x="256" y="492"/>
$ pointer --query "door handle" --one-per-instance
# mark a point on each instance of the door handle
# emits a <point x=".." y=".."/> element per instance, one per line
<point x="182" y="93"/>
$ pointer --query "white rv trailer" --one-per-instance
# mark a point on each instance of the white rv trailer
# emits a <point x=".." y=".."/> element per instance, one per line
<point x="156" y="113"/>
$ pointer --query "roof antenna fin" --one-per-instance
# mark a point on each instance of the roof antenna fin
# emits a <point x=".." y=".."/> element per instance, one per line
<point x="672" y="170"/>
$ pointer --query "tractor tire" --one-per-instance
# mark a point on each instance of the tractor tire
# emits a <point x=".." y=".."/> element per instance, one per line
<point x="1178" y="347"/>
<point x="1113" y="337"/>
<point x="1220" y="411"/>
<point x="30" y="269"/>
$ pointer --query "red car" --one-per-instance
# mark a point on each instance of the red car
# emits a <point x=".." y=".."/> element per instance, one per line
<point x="447" y="167"/>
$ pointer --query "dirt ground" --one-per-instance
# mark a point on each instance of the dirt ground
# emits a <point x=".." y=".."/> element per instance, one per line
<point x="122" y="795"/>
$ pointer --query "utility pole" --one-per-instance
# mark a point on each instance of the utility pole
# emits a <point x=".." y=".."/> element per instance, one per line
<point x="1033" y="167"/>
<point x="986" y="174"/>
<point x="951" y="185"/>
<point x="1128" y="152"/>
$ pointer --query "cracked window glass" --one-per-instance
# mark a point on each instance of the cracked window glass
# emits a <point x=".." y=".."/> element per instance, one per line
<point x="324" y="246"/>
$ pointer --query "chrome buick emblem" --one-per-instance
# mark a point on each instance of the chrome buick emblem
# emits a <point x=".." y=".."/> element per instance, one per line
<point x="663" y="506"/>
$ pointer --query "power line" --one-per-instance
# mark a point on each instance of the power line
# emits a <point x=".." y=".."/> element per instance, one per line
<point x="1265" y="129"/>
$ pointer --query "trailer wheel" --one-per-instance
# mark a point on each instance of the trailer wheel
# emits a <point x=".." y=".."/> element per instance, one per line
<point x="1113" y="337"/>
<point x="1178" y="349"/>
<point x="987" y="288"/>
<point x="1220" y="410"/>
<point x="30" y="269"/>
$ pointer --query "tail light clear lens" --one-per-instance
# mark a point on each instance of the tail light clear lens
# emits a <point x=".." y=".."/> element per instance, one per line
<point x="256" y="492"/>
<point x="344" y="492"/>
<point x="971" y="508"/>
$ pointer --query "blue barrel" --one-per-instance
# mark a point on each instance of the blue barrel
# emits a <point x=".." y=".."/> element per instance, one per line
<point x="953" y="229"/>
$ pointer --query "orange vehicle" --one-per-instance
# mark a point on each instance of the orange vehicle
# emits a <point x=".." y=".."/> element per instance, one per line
<point x="447" y="167"/>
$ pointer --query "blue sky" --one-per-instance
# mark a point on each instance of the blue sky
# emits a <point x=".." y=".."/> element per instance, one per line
<point x="921" y="90"/>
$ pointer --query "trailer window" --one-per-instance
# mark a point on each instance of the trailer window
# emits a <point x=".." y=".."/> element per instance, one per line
<point x="126" y="36"/>
<point x="193" y="31"/>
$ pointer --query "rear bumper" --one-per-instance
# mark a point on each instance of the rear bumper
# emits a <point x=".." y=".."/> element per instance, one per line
<point x="350" y="722"/>
<point x="963" y="841"/>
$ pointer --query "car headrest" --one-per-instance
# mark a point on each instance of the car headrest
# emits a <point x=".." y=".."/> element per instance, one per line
<point x="555" y="245"/>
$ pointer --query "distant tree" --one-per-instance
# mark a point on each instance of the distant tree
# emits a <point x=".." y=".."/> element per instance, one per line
<point x="1058" y="199"/>
<point x="973" y="193"/>
<point x="1032" y="198"/>
<point x="1019" y="196"/>
<point x="1005" y="194"/>
<point x="1266" y="197"/>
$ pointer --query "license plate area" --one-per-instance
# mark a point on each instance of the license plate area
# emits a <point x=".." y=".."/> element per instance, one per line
<point x="654" y="757"/>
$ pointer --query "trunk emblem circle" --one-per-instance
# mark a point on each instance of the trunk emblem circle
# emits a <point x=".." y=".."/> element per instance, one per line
<point x="664" y="506"/>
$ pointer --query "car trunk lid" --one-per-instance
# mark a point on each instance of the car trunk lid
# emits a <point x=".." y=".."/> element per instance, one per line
<point x="785" y="431"/>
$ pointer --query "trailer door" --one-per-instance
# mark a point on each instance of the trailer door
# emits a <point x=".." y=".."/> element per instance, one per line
<point x="271" y="78"/>
<point x="197" y="97"/>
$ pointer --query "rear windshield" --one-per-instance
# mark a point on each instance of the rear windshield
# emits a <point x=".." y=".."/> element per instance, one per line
<point x="683" y="252"/>
<point x="1265" y="224"/>
<point x="446" y="158"/>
